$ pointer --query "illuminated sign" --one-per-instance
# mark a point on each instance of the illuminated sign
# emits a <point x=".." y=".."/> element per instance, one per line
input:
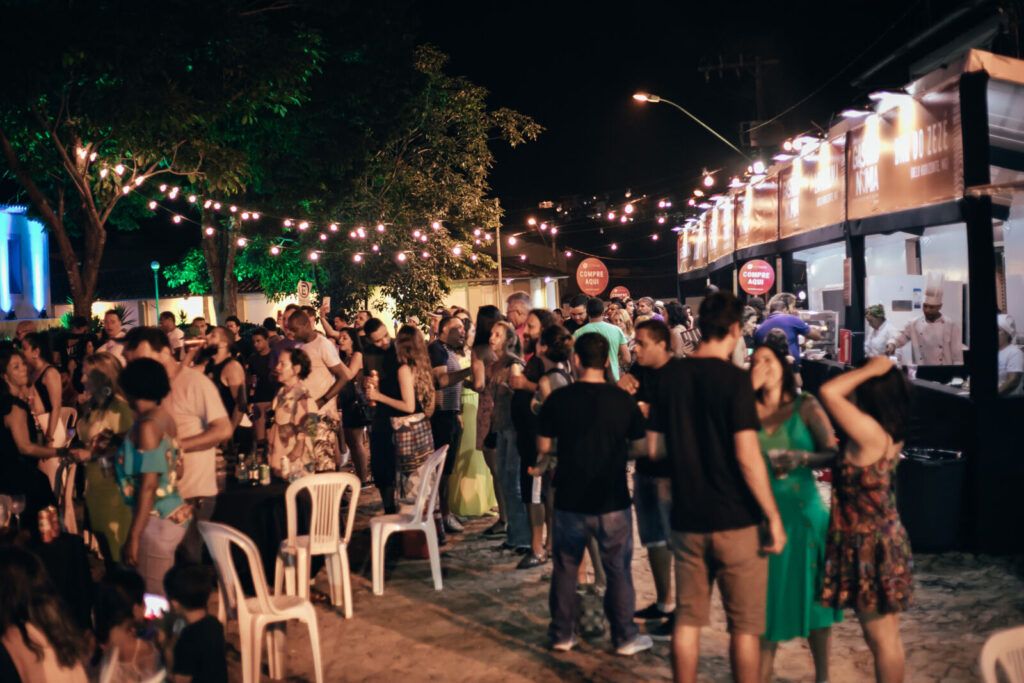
<point x="813" y="188"/>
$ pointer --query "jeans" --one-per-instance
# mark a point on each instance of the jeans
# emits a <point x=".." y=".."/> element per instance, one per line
<point x="614" y="534"/>
<point x="508" y="474"/>
<point x="190" y="551"/>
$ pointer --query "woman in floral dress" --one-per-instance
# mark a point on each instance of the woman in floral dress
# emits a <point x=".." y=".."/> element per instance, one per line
<point x="292" y="447"/>
<point x="867" y="558"/>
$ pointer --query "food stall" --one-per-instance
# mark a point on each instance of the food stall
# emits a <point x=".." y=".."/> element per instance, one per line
<point x="916" y="202"/>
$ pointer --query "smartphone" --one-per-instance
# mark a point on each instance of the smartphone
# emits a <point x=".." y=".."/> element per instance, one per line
<point x="327" y="302"/>
<point x="156" y="605"/>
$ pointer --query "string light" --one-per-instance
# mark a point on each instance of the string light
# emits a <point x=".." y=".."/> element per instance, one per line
<point x="512" y="241"/>
<point x="375" y="248"/>
<point x="209" y="231"/>
<point x="380" y="227"/>
<point x="152" y="205"/>
<point x="323" y="237"/>
<point x="242" y="242"/>
<point x="425" y="254"/>
<point x="476" y="233"/>
<point x="287" y="222"/>
<point x="661" y="220"/>
<point x="654" y="237"/>
<point x="255" y="215"/>
<point x="709" y="179"/>
<point x="216" y="206"/>
<point x="423" y="238"/>
<point x="611" y="215"/>
<point x="416" y="234"/>
<point x="473" y="258"/>
<point x="245" y="215"/>
<point x="176" y="219"/>
<point x="543" y="226"/>
<point x="401" y="257"/>
<point x="103" y="173"/>
<point x="623" y="219"/>
<point x="126" y="189"/>
<point x="232" y="208"/>
<point x="531" y="221"/>
<point x="191" y="198"/>
<point x="436" y="225"/>
<point x="163" y="186"/>
<point x="333" y="227"/>
<point x="208" y="203"/>
<point x="138" y="181"/>
<point x="358" y="258"/>
<point x="314" y="256"/>
<point x="275" y="250"/>
<point x="568" y="254"/>
<point x="119" y="169"/>
<point x="628" y="209"/>
<point x="615" y="247"/>
<point x="554" y="231"/>
<point x="457" y="250"/>
<point x="303" y="225"/>
<point x="522" y="257"/>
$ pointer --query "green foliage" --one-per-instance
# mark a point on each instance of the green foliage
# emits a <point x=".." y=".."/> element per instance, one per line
<point x="190" y="271"/>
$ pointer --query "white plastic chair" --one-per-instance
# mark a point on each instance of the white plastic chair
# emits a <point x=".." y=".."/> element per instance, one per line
<point x="1005" y="648"/>
<point x="420" y="519"/>
<point x="325" y="537"/>
<point x="264" y="612"/>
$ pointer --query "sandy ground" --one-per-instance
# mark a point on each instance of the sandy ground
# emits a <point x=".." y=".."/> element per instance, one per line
<point x="489" y="623"/>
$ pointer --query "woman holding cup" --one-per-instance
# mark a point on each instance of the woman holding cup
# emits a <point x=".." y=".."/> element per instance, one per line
<point x="795" y="436"/>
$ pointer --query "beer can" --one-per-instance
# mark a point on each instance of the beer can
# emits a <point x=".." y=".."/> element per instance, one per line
<point x="264" y="474"/>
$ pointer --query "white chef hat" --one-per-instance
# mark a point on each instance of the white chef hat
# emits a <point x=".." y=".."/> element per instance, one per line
<point x="933" y="290"/>
<point x="1007" y="325"/>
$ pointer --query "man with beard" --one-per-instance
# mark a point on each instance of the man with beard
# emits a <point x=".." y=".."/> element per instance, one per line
<point x="379" y="357"/>
<point x="449" y="364"/>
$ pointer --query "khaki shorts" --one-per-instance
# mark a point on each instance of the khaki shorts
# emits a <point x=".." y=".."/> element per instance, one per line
<point x="733" y="559"/>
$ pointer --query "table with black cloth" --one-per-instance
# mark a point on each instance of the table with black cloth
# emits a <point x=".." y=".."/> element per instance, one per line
<point x="259" y="513"/>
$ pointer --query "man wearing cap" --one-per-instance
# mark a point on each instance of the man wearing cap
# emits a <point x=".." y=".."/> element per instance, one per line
<point x="879" y="332"/>
<point x="934" y="338"/>
<point x="1011" y="359"/>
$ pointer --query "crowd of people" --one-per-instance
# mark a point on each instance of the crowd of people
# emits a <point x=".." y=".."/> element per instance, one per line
<point x="564" y="423"/>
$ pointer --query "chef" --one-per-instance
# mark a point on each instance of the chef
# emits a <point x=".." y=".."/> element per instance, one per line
<point x="879" y="332"/>
<point x="934" y="339"/>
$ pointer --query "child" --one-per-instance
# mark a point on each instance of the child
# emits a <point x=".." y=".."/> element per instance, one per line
<point x="119" y="613"/>
<point x="199" y="655"/>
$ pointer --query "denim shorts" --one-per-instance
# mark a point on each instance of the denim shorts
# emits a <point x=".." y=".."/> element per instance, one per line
<point x="653" y="499"/>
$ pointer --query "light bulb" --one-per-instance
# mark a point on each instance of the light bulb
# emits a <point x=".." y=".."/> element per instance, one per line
<point x="531" y="221"/>
<point x="457" y="250"/>
<point x="661" y="220"/>
<point x="425" y="254"/>
<point x="163" y="187"/>
<point x="473" y="258"/>
<point x="554" y="231"/>
<point x="401" y="257"/>
<point x="358" y="258"/>
<point x="611" y="215"/>
<point x="242" y="242"/>
<point x="615" y="247"/>
<point x="139" y="180"/>
<point x="191" y="198"/>
<point x="255" y="215"/>
<point x="208" y="203"/>
<point x="303" y="225"/>
<point x="709" y="180"/>
<point x="628" y="209"/>
<point x="176" y="219"/>
<point x="126" y="189"/>
<point x="103" y="173"/>
<point x="275" y="250"/>
<point x="313" y="256"/>
<point x="216" y="206"/>
<point x="233" y="208"/>
<point x="758" y="167"/>
<point x="323" y="237"/>
<point x="423" y="238"/>
<point x="361" y="232"/>
<point x="209" y="231"/>
<point x="245" y="215"/>
<point x="522" y="257"/>
<point x="333" y="227"/>
<point x="375" y="248"/>
<point x="380" y="227"/>
<point x="416" y="234"/>
<point x="476" y="233"/>
<point x="568" y="254"/>
<point x="119" y="169"/>
<point x="351" y="234"/>
<point x="436" y="225"/>
<point x="654" y="237"/>
<point x="287" y="222"/>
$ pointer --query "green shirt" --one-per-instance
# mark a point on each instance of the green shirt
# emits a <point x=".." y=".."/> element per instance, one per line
<point x="615" y="336"/>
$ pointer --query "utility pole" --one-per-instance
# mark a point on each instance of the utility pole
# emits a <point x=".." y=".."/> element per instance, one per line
<point x="744" y="66"/>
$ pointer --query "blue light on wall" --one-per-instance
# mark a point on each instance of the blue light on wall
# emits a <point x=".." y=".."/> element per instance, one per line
<point x="6" y="221"/>
<point x="38" y="255"/>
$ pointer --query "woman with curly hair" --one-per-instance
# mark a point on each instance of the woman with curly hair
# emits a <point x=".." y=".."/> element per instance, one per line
<point x="292" y="449"/>
<point x="40" y="640"/>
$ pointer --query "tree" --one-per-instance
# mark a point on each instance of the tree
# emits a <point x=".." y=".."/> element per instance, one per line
<point x="407" y="149"/>
<point x="100" y="107"/>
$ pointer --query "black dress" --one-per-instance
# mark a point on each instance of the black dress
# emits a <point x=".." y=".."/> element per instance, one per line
<point x="20" y="474"/>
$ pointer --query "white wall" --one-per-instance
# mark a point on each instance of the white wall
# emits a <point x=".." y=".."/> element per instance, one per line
<point x="1013" y="255"/>
<point x="824" y="271"/>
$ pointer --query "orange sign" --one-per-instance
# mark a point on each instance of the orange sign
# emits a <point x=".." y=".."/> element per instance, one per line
<point x="908" y="155"/>
<point x="757" y="213"/>
<point x="813" y="189"/>
<point x="756" y="277"/>
<point x="619" y="292"/>
<point x="592" y="276"/>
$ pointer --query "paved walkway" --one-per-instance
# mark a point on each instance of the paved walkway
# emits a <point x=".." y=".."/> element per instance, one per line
<point x="489" y="624"/>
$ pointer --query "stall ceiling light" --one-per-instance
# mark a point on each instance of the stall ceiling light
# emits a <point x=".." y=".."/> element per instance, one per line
<point x="855" y="113"/>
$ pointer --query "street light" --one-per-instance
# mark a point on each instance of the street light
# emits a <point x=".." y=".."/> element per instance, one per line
<point x="155" y="267"/>
<point x="648" y="97"/>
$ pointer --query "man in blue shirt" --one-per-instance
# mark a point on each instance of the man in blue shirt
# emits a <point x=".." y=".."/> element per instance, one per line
<point x="782" y="316"/>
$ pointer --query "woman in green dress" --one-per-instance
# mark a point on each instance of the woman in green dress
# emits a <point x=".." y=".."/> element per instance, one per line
<point x="795" y="436"/>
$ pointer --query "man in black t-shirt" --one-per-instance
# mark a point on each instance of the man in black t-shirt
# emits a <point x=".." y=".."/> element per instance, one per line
<point x="652" y="480"/>
<point x="577" y="313"/>
<point x="594" y="423"/>
<point x="261" y="382"/>
<point x="379" y="356"/>
<point x="703" y="417"/>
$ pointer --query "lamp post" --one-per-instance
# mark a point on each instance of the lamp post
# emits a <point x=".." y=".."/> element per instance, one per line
<point x="497" y="235"/>
<point x="155" y="267"/>
<point x="647" y="97"/>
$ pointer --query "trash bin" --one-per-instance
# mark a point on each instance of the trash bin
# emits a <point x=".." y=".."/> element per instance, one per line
<point x="929" y="495"/>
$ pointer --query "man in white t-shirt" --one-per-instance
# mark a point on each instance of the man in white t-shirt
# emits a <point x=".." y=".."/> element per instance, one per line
<point x="202" y="423"/>
<point x="174" y="335"/>
<point x="325" y="381"/>
<point x="1011" y="359"/>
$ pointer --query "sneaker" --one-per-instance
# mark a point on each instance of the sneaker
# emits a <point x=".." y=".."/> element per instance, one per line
<point x="651" y="613"/>
<point x="452" y="525"/>
<point x="565" y="645"/>
<point x="663" y="631"/>
<point x="496" y="529"/>
<point x="531" y="561"/>
<point x="638" y="644"/>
